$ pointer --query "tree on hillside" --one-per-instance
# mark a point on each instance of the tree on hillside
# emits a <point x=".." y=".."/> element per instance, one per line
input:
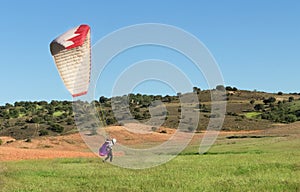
<point x="291" y="99"/>
<point x="4" y="114"/>
<point x="220" y="88"/>
<point x="54" y="103"/>
<point x="196" y="90"/>
<point x="259" y="107"/>
<point x="269" y="100"/>
<point x="13" y="113"/>
<point x="102" y="99"/>
<point x="228" y="88"/>
<point x="55" y="127"/>
<point x="8" y="105"/>
<point x="290" y="118"/>
<point x="167" y="98"/>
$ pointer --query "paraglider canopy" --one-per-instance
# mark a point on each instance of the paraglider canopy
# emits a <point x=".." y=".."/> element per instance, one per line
<point x="72" y="55"/>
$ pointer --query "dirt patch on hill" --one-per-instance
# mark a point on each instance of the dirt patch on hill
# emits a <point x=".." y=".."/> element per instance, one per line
<point x="73" y="145"/>
<point x="130" y="134"/>
<point x="44" y="147"/>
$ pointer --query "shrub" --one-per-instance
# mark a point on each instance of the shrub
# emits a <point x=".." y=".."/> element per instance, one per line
<point x="290" y="118"/>
<point x="259" y="107"/>
<point x="19" y="123"/>
<point x="34" y="120"/>
<point x="229" y="88"/>
<point x="70" y="121"/>
<point x="24" y="127"/>
<point x="232" y="113"/>
<point x="138" y="116"/>
<point x="191" y="128"/>
<point x="153" y="129"/>
<point x="56" y="128"/>
<point x="291" y="99"/>
<point x="121" y="124"/>
<point x="269" y="100"/>
<point x="214" y="116"/>
<point x="42" y="133"/>
<point x="94" y="131"/>
<point x="110" y="121"/>
<point x="220" y="88"/>
<point x="6" y="124"/>
<point x="163" y="131"/>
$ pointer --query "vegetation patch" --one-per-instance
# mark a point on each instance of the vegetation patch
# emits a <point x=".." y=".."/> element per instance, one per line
<point x="246" y="136"/>
<point x="252" y="114"/>
<point x="235" y="152"/>
<point x="245" y="110"/>
<point x="58" y="113"/>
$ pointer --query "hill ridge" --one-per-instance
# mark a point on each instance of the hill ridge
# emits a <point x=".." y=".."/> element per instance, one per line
<point x="246" y="110"/>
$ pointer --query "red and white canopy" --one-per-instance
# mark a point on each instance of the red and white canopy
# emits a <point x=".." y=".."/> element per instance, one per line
<point x="72" y="55"/>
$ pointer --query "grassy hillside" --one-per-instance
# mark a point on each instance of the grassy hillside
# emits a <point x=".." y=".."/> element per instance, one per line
<point x="24" y="120"/>
<point x="246" y="110"/>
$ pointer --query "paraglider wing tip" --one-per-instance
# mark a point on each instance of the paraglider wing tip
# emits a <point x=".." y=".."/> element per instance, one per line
<point x="79" y="94"/>
<point x="85" y="25"/>
<point x="55" y="47"/>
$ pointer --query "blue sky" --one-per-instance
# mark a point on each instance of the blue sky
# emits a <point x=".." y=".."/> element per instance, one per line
<point x="256" y="43"/>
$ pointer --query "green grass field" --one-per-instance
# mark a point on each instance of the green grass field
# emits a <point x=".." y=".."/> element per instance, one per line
<point x="242" y="164"/>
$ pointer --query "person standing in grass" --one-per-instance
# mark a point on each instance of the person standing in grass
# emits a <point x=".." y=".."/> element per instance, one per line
<point x="110" y="144"/>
